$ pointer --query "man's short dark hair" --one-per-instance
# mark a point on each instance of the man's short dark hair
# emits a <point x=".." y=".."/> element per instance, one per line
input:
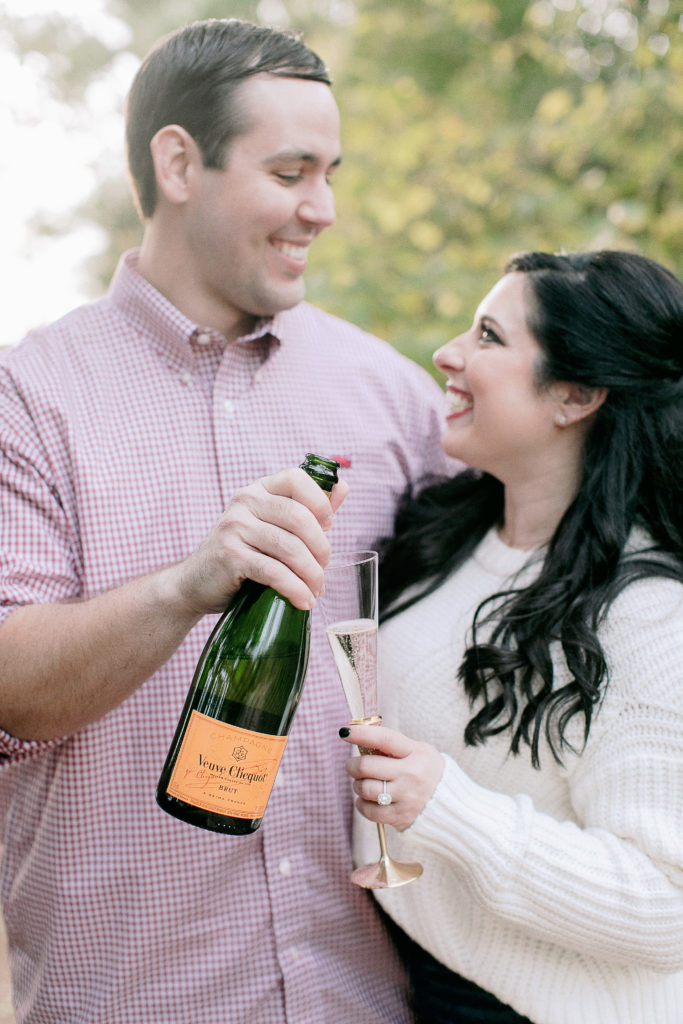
<point x="190" y="78"/>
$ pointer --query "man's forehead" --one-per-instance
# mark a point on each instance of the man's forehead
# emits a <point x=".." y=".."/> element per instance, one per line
<point x="297" y="119"/>
<point x="265" y="88"/>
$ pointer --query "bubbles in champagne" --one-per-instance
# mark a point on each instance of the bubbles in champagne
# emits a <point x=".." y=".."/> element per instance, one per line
<point x="354" y="646"/>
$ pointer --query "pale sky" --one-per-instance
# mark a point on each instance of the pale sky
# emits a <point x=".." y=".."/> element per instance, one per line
<point x="47" y="163"/>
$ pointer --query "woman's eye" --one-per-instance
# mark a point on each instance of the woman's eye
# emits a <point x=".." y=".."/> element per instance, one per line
<point x="488" y="334"/>
<point x="290" y="178"/>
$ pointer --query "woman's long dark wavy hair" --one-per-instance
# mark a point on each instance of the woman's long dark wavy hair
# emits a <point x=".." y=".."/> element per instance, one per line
<point x="604" y="319"/>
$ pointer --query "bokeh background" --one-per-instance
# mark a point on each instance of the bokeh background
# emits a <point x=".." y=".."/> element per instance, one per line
<point x="471" y="129"/>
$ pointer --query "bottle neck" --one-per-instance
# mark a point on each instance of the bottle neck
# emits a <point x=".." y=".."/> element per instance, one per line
<point x="322" y="470"/>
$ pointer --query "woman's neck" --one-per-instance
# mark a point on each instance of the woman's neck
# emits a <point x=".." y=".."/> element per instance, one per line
<point x="532" y="515"/>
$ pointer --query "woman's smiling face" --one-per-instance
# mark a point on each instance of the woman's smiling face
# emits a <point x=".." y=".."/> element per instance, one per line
<point x="501" y="420"/>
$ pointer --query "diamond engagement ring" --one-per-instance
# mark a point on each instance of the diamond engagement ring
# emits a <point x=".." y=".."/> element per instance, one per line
<point x="384" y="798"/>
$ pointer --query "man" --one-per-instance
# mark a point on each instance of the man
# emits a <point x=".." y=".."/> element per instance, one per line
<point x="130" y="434"/>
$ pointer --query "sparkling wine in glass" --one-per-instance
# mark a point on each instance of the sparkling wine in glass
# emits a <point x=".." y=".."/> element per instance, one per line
<point x="349" y="609"/>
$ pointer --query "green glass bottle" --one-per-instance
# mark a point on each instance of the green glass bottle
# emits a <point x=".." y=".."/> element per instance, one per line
<point x="232" y="732"/>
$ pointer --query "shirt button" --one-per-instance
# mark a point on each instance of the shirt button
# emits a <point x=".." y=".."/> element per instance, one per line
<point x="285" y="867"/>
<point x="229" y="406"/>
<point x="203" y="339"/>
<point x="294" y="954"/>
<point x="186" y="378"/>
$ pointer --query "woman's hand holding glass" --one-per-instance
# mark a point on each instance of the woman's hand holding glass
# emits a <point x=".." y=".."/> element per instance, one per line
<point x="411" y="769"/>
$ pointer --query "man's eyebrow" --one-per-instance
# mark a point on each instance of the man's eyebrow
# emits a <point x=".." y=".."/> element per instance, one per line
<point x="298" y="156"/>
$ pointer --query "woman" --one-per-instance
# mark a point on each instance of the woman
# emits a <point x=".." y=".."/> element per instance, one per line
<point x="532" y="661"/>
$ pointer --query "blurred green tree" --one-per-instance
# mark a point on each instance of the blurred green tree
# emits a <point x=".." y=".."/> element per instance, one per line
<point x="471" y="130"/>
<point x="479" y="128"/>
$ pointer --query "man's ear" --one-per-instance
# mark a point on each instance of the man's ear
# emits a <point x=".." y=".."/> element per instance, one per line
<point x="175" y="154"/>
<point x="576" y="402"/>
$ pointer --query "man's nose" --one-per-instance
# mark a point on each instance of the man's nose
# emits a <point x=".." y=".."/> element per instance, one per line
<point x="318" y="207"/>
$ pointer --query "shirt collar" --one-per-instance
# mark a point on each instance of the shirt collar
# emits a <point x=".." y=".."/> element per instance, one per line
<point x="155" y="316"/>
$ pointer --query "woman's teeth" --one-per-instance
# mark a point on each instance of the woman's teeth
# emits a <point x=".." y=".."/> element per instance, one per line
<point x="459" y="402"/>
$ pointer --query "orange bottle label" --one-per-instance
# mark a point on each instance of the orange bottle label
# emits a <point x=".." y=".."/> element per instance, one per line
<point x="224" y="769"/>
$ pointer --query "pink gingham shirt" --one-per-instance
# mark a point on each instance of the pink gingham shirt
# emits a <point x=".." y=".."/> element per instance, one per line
<point x="124" y="430"/>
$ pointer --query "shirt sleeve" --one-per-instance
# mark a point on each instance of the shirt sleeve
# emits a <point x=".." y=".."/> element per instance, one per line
<point x="609" y="884"/>
<point x="38" y="547"/>
<point x="423" y="406"/>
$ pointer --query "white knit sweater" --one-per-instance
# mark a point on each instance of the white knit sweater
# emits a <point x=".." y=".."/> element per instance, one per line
<point x="559" y="890"/>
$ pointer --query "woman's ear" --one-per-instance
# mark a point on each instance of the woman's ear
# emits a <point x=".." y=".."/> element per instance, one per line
<point x="576" y="402"/>
<point x="174" y="153"/>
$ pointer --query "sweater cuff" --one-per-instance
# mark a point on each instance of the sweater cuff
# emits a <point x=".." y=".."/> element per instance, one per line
<point x="477" y="829"/>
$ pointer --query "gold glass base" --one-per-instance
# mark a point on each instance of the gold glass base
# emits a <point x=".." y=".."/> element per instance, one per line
<point x="386" y="873"/>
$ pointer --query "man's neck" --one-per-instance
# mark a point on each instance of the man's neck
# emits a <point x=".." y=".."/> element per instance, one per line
<point x="163" y="265"/>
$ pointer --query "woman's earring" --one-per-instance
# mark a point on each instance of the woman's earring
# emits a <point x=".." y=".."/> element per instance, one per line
<point x="561" y="420"/>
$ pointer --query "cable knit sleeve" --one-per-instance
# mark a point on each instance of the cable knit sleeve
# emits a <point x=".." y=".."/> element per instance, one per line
<point x="608" y="884"/>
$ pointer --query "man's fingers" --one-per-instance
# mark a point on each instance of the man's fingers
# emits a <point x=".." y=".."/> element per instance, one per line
<point x="279" y="529"/>
<point x="300" y="487"/>
<point x="271" y="532"/>
<point x="276" y="574"/>
<point x="338" y="494"/>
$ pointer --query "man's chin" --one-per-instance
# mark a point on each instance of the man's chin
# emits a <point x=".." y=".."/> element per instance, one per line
<point x="282" y="299"/>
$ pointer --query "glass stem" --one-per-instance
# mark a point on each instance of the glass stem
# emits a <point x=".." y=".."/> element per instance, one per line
<point x="382" y="841"/>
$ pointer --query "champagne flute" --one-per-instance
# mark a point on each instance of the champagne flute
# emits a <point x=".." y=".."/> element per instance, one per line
<point x="349" y="608"/>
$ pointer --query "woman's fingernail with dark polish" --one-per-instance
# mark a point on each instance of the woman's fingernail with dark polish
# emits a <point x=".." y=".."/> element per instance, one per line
<point x="344" y="732"/>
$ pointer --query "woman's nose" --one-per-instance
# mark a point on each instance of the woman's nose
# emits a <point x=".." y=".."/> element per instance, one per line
<point x="450" y="356"/>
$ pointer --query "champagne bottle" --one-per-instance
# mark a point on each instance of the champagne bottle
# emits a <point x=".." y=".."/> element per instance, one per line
<point x="232" y="732"/>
